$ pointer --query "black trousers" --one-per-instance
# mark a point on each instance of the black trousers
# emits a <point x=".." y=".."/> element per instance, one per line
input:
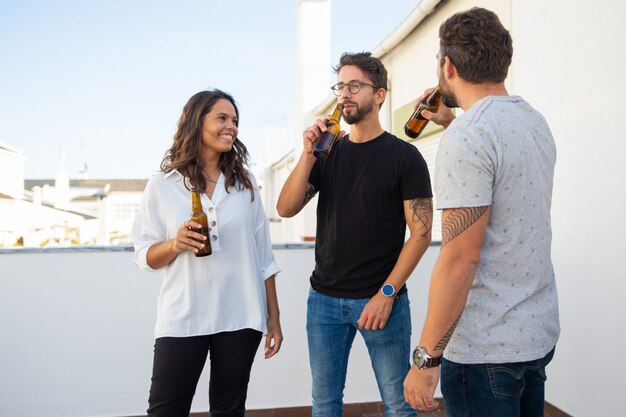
<point x="178" y="363"/>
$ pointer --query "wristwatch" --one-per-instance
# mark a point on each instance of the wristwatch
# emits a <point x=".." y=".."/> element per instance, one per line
<point x="388" y="290"/>
<point x="423" y="360"/>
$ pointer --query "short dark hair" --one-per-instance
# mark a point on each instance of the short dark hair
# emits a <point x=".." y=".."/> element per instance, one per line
<point x="478" y="45"/>
<point x="371" y="66"/>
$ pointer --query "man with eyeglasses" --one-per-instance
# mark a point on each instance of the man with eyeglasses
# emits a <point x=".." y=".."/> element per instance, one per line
<point x="370" y="187"/>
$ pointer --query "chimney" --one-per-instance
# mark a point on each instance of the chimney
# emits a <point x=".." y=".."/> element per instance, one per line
<point x="313" y="72"/>
<point x="313" y="66"/>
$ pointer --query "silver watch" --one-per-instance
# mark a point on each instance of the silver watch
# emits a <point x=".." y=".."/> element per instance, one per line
<point x="423" y="360"/>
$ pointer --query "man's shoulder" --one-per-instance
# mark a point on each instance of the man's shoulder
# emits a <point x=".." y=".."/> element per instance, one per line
<point x="394" y="143"/>
<point x="491" y="108"/>
<point x="391" y="139"/>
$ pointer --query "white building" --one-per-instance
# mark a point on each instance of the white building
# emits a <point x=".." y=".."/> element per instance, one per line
<point x="114" y="202"/>
<point x="11" y="171"/>
<point x="567" y="65"/>
<point x="60" y="211"/>
<point x="26" y="218"/>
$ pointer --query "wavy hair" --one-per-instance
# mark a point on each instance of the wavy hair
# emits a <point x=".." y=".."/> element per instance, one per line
<point x="184" y="154"/>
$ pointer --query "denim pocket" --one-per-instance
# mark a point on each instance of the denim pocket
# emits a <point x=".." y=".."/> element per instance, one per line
<point x="506" y="380"/>
<point x="509" y="380"/>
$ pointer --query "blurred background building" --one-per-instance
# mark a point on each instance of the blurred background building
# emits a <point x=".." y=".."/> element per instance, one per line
<point x="61" y="211"/>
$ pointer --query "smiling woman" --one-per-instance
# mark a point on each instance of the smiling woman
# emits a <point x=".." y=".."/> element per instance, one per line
<point x="195" y="312"/>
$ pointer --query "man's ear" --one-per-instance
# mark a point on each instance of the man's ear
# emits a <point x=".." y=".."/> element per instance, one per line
<point x="381" y="95"/>
<point x="448" y="68"/>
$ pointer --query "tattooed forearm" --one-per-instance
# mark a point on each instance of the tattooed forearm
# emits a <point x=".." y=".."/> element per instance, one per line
<point x="459" y="220"/>
<point x="422" y="215"/>
<point x="310" y="193"/>
<point x="446" y="337"/>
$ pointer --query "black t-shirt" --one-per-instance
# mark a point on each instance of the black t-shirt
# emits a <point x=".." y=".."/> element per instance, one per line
<point x="360" y="214"/>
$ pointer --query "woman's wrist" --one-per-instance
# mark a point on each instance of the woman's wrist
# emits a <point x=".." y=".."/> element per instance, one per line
<point x="173" y="246"/>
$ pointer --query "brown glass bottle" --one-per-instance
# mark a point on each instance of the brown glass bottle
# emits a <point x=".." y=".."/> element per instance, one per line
<point x="416" y="123"/>
<point x="199" y="216"/>
<point x="325" y="143"/>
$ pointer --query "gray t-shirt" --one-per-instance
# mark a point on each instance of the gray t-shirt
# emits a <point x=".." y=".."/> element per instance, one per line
<point x="500" y="153"/>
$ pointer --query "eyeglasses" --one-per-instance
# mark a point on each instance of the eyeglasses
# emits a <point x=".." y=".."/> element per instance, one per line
<point x="353" y="87"/>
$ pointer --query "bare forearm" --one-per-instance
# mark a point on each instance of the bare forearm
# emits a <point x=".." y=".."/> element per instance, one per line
<point x="161" y="254"/>
<point x="449" y="288"/>
<point x="418" y="213"/>
<point x="294" y="194"/>
<point x="272" y="297"/>
<point x="412" y="251"/>
<point x="462" y="235"/>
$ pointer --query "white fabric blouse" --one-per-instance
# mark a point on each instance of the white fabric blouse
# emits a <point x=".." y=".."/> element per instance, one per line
<point x="224" y="291"/>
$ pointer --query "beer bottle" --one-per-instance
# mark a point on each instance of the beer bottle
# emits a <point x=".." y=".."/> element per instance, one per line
<point x="416" y="123"/>
<point x="328" y="138"/>
<point x="199" y="216"/>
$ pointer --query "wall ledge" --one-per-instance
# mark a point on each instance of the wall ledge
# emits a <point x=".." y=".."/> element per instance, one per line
<point x="129" y="248"/>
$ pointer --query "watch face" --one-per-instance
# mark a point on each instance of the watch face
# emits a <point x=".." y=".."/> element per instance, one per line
<point x="388" y="290"/>
<point x="419" y="357"/>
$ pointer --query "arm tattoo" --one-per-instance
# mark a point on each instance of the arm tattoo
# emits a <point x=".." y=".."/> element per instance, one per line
<point x="446" y="337"/>
<point x="459" y="220"/>
<point x="422" y="215"/>
<point x="310" y="193"/>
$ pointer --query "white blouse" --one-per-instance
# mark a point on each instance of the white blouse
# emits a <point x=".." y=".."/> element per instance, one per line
<point x="224" y="291"/>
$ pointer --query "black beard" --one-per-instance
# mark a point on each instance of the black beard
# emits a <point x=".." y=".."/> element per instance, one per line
<point x="358" y="114"/>
<point x="449" y="99"/>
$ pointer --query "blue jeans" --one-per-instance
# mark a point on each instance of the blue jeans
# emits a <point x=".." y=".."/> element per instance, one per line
<point x="494" y="390"/>
<point x="331" y="327"/>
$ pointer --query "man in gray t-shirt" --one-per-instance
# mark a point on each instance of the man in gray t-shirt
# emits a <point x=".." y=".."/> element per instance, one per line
<point x="493" y="310"/>
<point x="500" y="154"/>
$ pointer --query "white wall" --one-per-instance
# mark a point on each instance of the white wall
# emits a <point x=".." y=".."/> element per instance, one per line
<point x="11" y="171"/>
<point x="569" y="63"/>
<point x="77" y="336"/>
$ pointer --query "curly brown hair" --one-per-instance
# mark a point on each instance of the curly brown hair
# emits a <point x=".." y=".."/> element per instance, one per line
<point x="478" y="45"/>
<point x="184" y="154"/>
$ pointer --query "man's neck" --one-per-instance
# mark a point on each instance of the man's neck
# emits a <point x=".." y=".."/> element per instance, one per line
<point x="366" y="130"/>
<point x="469" y="94"/>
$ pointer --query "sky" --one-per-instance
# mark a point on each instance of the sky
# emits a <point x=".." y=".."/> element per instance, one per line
<point x="106" y="81"/>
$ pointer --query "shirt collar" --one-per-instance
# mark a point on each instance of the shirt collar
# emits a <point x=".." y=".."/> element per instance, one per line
<point x="177" y="175"/>
<point x="173" y="172"/>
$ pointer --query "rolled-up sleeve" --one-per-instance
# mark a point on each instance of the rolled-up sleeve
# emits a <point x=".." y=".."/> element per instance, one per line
<point x="148" y="227"/>
<point x="263" y="239"/>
